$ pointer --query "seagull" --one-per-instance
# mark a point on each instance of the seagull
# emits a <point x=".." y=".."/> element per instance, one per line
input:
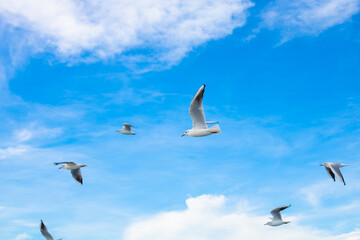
<point x="197" y="115"/>
<point x="276" y="220"/>
<point x="45" y="232"/>
<point x="126" y="129"/>
<point x="75" y="170"/>
<point x="334" y="169"/>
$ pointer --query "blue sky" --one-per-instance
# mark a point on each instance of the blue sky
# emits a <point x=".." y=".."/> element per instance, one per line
<point x="282" y="79"/>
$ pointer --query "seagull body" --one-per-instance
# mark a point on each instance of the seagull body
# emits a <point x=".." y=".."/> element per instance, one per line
<point x="126" y="129"/>
<point x="75" y="170"/>
<point x="197" y="115"/>
<point x="276" y="220"/>
<point x="45" y="232"/>
<point x="333" y="169"/>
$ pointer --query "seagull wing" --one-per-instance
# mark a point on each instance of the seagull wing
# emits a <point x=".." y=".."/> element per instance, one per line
<point x="76" y="173"/>
<point x="197" y="111"/>
<point x="212" y="122"/>
<point x="331" y="174"/>
<point x="69" y="163"/>
<point x="45" y="232"/>
<point x="276" y="212"/>
<point x="335" y="167"/>
<point x="127" y="127"/>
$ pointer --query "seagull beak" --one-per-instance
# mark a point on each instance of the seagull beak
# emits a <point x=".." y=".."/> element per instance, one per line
<point x="183" y="135"/>
<point x="60" y="167"/>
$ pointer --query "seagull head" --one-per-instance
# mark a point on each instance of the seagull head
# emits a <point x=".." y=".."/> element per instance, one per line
<point x="186" y="133"/>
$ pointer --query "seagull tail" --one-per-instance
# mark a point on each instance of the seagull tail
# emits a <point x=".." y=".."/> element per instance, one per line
<point x="215" y="129"/>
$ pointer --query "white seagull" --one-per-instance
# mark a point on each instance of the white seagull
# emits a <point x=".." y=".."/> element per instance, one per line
<point x="334" y="169"/>
<point x="126" y="129"/>
<point x="75" y="170"/>
<point x="197" y="115"/>
<point x="276" y="220"/>
<point x="45" y="232"/>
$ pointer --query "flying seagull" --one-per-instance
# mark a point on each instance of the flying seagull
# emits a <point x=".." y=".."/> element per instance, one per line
<point x="197" y="115"/>
<point x="276" y="220"/>
<point x="45" y="232"/>
<point x="333" y="169"/>
<point x="75" y="170"/>
<point x="126" y="129"/>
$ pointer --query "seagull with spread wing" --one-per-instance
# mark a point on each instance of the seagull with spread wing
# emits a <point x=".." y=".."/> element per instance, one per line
<point x="75" y="170"/>
<point x="276" y="220"/>
<point x="126" y="129"/>
<point x="45" y="232"/>
<point x="333" y="169"/>
<point x="197" y="115"/>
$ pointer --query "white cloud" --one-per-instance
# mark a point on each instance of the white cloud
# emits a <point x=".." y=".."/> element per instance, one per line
<point x="307" y="17"/>
<point x="97" y="30"/>
<point x="22" y="236"/>
<point x="208" y="217"/>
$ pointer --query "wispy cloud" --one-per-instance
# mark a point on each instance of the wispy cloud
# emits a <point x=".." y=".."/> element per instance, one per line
<point x="307" y="17"/>
<point x="23" y="135"/>
<point x="12" y="151"/>
<point x="26" y="223"/>
<point x="132" y="96"/>
<point x="97" y="30"/>
<point x="314" y="193"/>
<point x="22" y="236"/>
<point x="34" y="131"/>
